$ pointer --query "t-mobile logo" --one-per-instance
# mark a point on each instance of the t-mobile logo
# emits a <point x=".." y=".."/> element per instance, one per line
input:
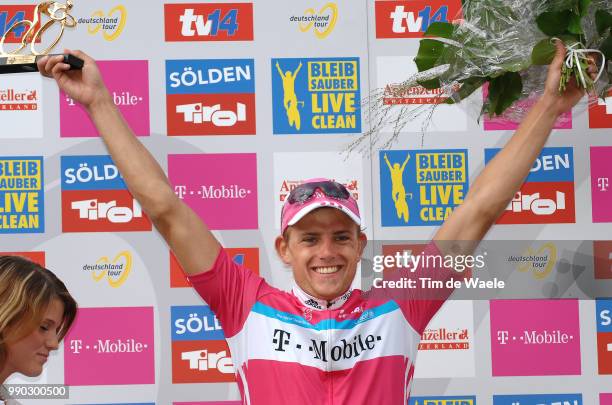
<point x="502" y="337"/>
<point x="602" y="183"/>
<point x="76" y="346"/>
<point x="281" y="339"/>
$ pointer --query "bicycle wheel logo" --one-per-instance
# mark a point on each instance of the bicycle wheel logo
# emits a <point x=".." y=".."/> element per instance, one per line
<point x="111" y="24"/>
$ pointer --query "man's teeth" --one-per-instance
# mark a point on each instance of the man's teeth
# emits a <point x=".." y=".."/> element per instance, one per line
<point x="327" y="270"/>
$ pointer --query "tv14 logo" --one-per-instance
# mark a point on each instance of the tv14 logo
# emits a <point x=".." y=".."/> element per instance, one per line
<point x="95" y="198"/>
<point x="209" y="22"/>
<point x="13" y="14"/>
<point x="547" y="195"/>
<point x="604" y="335"/>
<point x="410" y="19"/>
<point x="199" y="351"/>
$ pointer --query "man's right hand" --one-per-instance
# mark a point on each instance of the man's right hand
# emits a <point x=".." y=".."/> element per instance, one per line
<point x="84" y="85"/>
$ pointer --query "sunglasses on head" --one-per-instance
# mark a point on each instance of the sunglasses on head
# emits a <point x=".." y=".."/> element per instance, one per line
<point x="304" y="192"/>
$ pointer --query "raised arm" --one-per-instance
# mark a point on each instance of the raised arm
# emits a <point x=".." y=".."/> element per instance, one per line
<point x="280" y="72"/>
<point x="297" y="70"/>
<point x="388" y="163"/>
<point x="193" y="244"/>
<point x="405" y="162"/>
<point x="503" y="176"/>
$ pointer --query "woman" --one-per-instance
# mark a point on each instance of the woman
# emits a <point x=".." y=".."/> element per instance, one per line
<point x="36" y="311"/>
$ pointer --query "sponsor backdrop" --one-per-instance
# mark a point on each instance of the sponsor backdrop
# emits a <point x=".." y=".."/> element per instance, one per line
<point x="240" y="102"/>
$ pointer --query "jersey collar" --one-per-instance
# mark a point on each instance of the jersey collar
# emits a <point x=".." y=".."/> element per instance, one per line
<point x="319" y="304"/>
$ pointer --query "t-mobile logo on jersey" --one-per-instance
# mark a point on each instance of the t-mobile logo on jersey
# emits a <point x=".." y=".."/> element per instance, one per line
<point x="346" y="349"/>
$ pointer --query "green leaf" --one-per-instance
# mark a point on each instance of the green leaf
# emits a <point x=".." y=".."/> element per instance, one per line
<point x="440" y="29"/>
<point x="575" y="25"/>
<point x="606" y="48"/>
<point x="543" y="53"/>
<point x="603" y="21"/>
<point x="430" y="51"/>
<point x="503" y="91"/>
<point x="554" y="23"/>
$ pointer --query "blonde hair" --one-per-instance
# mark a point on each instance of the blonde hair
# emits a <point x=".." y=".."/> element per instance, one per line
<point x="26" y="290"/>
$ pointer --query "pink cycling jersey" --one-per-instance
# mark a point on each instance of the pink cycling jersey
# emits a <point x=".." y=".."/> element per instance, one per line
<point x="290" y="348"/>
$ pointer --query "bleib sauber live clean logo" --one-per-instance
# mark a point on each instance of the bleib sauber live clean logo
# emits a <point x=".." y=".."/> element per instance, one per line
<point x="421" y="187"/>
<point x="316" y="95"/>
<point x="21" y="195"/>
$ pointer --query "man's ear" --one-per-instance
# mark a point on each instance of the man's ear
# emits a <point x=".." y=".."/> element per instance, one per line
<point x="363" y="241"/>
<point x="282" y="249"/>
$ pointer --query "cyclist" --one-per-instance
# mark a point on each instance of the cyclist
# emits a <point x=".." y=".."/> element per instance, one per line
<point x="290" y="100"/>
<point x="321" y="343"/>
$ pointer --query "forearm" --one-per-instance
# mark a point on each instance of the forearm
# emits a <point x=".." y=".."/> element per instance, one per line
<point x="142" y="174"/>
<point x="506" y="172"/>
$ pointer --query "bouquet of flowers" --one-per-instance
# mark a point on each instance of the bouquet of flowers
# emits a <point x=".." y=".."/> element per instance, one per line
<point x="505" y="45"/>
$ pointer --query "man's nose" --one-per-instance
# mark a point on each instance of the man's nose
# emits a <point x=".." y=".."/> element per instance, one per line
<point x="327" y="250"/>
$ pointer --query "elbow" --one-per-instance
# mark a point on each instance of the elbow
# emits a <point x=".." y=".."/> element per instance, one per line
<point x="159" y="204"/>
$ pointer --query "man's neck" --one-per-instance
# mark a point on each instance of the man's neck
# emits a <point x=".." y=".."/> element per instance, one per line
<point x="319" y="303"/>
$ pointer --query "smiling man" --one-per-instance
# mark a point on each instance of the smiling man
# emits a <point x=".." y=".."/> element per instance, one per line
<point x="321" y="343"/>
